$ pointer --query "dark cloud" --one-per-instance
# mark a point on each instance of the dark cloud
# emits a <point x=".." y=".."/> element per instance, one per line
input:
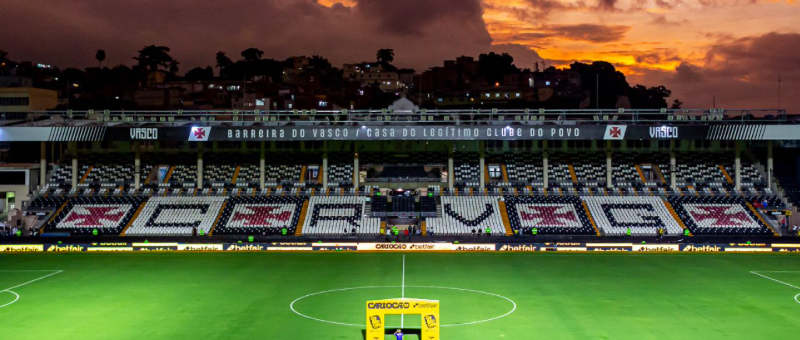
<point x="741" y="73"/>
<point x="67" y="33"/>
<point x="656" y="56"/>
<point x="607" y="5"/>
<point x="588" y="32"/>
<point x="412" y="16"/>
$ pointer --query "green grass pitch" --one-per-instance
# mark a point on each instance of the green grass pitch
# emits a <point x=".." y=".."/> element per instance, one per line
<point x="248" y="295"/>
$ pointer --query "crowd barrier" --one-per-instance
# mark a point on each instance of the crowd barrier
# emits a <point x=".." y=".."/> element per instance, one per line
<point x="403" y="247"/>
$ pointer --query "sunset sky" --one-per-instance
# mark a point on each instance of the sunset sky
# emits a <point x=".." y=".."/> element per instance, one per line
<point x="733" y="50"/>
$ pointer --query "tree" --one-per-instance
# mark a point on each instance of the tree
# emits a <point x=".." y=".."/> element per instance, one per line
<point x="3" y="56"/>
<point x="200" y="74"/>
<point x="385" y="55"/>
<point x="223" y="61"/>
<point x="611" y="81"/>
<point x="100" y="56"/>
<point x="676" y="104"/>
<point x="319" y="63"/>
<point x="152" y="57"/>
<point x="173" y="66"/>
<point x="493" y="66"/>
<point x="252" y="54"/>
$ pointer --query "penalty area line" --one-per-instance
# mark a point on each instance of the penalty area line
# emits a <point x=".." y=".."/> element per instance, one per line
<point x="9" y="289"/>
<point x="779" y="281"/>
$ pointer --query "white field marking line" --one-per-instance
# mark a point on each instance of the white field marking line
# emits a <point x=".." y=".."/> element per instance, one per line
<point x="8" y="290"/>
<point x="291" y="305"/>
<point x="32" y="281"/>
<point x="776" y="280"/>
<point x="403" y="292"/>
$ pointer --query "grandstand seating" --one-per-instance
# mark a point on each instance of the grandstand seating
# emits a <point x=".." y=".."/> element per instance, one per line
<point x="329" y="215"/>
<point x="524" y="169"/>
<point x="589" y="167"/>
<point x="466" y="167"/>
<point x="177" y="216"/>
<point x="403" y="203"/>
<point x="558" y="170"/>
<point x="49" y="202"/>
<point x="548" y="214"/>
<point x="462" y="215"/>
<point x="107" y="215"/>
<point x="116" y="168"/>
<point x="718" y="215"/>
<point x="379" y="204"/>
<point x="427" y="206"/>
<point x="340" y="169"/>
<point x="260" y="215"/>
<point x="643" y="215"/>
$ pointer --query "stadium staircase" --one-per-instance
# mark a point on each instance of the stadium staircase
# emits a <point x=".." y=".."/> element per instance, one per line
<point x="302" y="220"/>
<point x="135" y="216"/>
<point x="675" y="215"/>
<point x="504" y="217"/>
<point x="591" y="219"/>
<point x="755" y="211"/>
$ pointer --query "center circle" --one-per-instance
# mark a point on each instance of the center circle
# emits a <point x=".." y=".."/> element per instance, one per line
<point x="8" y="299"/>
<point x="410" y="292"/>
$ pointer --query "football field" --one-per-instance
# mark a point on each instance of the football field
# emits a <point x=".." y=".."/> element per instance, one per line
<point x="323" y="295"/>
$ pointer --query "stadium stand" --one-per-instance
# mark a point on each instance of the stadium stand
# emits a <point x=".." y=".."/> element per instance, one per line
<point x="462" y="215"/>
<point x="339" y="215"/>
<point x="524" y="169"/>
<point x="260" y="215"/>
<point x="466" y="169"/>
<point x="643" y="215"/>
<point x="177" y="216"/>
<point x="107" y="215"/>
<point x="718" y="215"/>
<point x="548" y="214"/>
<point x="340" y="169"/>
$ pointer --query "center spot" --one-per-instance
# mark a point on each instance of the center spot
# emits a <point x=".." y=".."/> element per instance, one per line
<point x="346" y="306"/>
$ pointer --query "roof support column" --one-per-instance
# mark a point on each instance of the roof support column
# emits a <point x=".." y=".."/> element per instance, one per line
<point x="770" y="163"/>
<point x="545" y="165"/>
<point x="673" y="165"/>
<point x="137" y="164"/>
<point x="737" y="165"/>
<point x="74" y="151"/>
<point x="262" y="166"/>
<point x="200" y="166"/>
<point x="608" y="164"/>
<point x="482" y="161"/>
<point x="42" y="164"/>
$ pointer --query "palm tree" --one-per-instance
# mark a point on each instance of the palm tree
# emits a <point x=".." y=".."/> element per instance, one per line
<point x="100" y="56"/>
<point x="152" y="57"/>
<point x="252" y="54"/>
<point x="385" y="55"/>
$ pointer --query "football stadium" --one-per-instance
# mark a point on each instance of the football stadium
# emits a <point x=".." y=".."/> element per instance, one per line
<point x="359" y="224"/>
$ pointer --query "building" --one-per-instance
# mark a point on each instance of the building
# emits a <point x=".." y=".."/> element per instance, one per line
<point x="26" y="99"/>
<point x="373" y="73"/>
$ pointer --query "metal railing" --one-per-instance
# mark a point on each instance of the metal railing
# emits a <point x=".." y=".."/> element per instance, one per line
<point x="405" y="117"/>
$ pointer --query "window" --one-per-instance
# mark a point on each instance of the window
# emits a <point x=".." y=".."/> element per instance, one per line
<point x="14" y="101"/>
<point x="494" y="171"/>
